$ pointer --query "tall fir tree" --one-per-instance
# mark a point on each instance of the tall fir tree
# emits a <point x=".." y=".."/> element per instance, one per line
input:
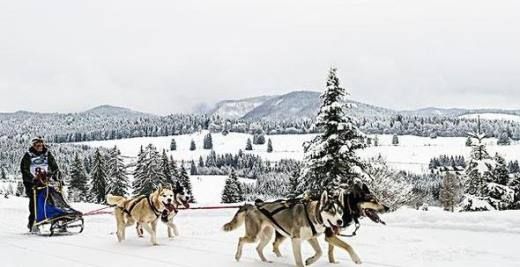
<point x="193" y="168"/>
<point x="78" y="185"/>
<point x="87" y="163"/>
<point x="208" y="141"/>
<point x="148" y="173"/>
<point x="330" y="158"/>
<point x="201" y="162"/>
<point x="166" y="169"/>
<point x="117" y="173"/>
<point x="185" y="181"/>
<point x="98" y="178"/>
<point x="249" y="146"/>
<point x="174" y="170"/>
<point x="193" y="147"/>
<point x="269" y="146"/>
<point x="173" y="145"/>
<point x="3" y="175"/>
<point x="395" y="140"/>
<point x="232" y="192"/>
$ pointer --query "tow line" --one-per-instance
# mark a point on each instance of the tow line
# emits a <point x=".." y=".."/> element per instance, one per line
<point x="101" y="211"/>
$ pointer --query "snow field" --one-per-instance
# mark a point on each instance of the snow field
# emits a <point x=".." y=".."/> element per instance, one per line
<point x="412" y="154"/>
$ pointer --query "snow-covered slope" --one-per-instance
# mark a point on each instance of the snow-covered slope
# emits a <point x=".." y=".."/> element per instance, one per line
<point x="492" y="116"/>
<point x="291" y="106"/>
<point x="236" y="109"/>
<point x="410" y="238"/>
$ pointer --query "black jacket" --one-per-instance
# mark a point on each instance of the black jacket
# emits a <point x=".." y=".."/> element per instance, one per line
<point x="25" y="166"/>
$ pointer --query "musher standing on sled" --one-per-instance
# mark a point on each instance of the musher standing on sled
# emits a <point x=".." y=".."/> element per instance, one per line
<point x="38" y="156"/>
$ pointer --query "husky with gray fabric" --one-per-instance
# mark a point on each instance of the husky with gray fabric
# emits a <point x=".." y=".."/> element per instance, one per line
<point x="299" y="219"/>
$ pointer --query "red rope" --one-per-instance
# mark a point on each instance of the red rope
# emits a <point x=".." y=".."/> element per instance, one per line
<point x="100" y="211"/>
<point x="211" y="208"/>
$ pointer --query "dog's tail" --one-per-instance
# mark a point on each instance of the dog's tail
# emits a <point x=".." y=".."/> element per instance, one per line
<point x="115" y="200"/>
<point x="238" y="219"/>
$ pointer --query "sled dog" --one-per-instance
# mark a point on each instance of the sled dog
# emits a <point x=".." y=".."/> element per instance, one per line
<point x="355" y="203"/>
<point x="145" y="209"/>
<point x="180" y="199"/>
<point x="299" y="219"/>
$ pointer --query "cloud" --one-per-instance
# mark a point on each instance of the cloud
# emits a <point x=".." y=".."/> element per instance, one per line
<point x="167" y="56"/>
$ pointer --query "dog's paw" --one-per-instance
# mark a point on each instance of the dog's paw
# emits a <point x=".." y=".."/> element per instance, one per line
<point x="310" y="261"/>
<point x="357" y="261"/>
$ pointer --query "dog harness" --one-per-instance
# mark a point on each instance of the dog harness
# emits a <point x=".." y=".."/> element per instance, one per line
<point x="139" y="199"/>
<point x="292" y="203"/>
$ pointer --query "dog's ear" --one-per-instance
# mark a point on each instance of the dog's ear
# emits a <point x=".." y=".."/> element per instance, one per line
<point x="324" y="197"/>
<point x="365" y="188"/>
<point x="171" y="187"/>
<point x="159" y="189"/>
<point x="341" y="198"/>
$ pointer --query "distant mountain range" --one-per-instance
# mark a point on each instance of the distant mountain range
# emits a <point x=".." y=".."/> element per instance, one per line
<point x="305" y="104"/>
<point x="290" y="106"/>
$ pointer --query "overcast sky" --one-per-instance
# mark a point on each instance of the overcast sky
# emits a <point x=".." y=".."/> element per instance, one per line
<point x="167" y="56"/>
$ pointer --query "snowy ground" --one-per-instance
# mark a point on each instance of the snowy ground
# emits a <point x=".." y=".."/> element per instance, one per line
<point x="411" y="238"/>
<point x="412" y="154"/>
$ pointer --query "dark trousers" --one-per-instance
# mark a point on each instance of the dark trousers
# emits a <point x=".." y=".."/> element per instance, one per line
<point x="30" y="194"/>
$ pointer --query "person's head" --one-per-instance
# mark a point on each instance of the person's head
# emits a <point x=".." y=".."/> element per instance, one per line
<point x="38" y="144"/>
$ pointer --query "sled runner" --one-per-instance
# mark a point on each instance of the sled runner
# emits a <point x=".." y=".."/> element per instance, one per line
<point x="52" y="213"/>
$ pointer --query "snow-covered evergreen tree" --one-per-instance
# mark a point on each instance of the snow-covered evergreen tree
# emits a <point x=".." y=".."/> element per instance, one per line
<point x="173" y="145"/>
<point x="87" y="163"/>
<point x="395" y="140"/>
<point x="249" y="146"/>
<point x="20" y="189"/>
<point x="192" y="145"/>
<point x="259" y="139"/>
<point x="148" y="173"/>
<point x="269" y="146"/>
<point x="174" y="170"/>
<point x="3" y="175"/>
<point x="500" y="174"/>
<point x="486" y="186"/>
<point x="98" y="178"/>
<point x="503" y="139"/>
<point x="166" y="169"/>
<point x="513" y="167"/>
<point x="185" y="181"/>
<point x="208" y="141"/>
<point x="193" y="168"/>
<point x="294" y="183"/>
<point x="78" y="185"/>
<point x="232" y="192"/>
<point x="117" y="175"/>
<point x="330" y="158"/>
<point x="201" y="162"/>
<point x="469" y="142"/>
<point x="376" y="140"/>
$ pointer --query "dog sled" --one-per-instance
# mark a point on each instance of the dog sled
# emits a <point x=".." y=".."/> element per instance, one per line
<point x="53" y="215"/>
